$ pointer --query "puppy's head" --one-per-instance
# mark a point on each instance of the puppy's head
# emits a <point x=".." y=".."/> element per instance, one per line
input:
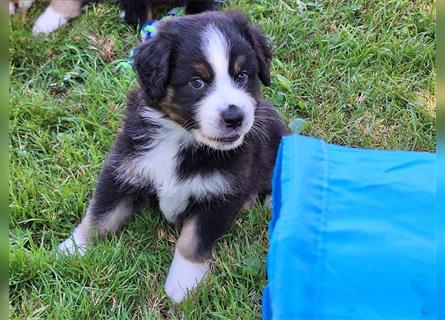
<point x="204" y="72"/>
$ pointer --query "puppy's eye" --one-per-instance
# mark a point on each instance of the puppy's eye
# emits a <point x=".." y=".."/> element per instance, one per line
<point x="242" y="77"/>
<point x="197" y="83"/>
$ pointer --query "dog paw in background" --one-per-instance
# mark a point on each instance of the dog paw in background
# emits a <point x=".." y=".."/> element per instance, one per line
<point x="19" y="5"/>
<point x="58" y="13"/>
<point x="48" y="22"/>
<point x="135" y="12"/>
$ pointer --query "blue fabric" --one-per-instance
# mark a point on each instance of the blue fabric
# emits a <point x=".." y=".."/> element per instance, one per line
<point x="352" y="234"/>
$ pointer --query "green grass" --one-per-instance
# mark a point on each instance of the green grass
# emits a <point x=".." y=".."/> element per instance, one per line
<point x="361" y="72"/>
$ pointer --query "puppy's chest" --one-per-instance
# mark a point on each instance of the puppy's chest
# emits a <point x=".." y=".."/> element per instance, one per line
<point x="159" y="167"/>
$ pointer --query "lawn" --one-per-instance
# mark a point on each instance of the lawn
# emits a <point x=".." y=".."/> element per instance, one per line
<point x="361" y="72"/>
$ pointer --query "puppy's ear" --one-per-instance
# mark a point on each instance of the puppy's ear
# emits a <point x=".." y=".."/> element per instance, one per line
<point x="259" y="42"/>
<point x="152" y="65"/>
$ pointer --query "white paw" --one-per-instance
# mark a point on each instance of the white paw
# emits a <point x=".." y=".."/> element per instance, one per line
<point x="183" y="277"/>
<point x="122" y="14"/>
<point x="70" y="247"/>
<point x="76" y="243"/>
<point x="48" y="22"/>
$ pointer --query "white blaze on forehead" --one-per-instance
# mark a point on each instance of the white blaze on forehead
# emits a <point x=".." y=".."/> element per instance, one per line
<point x="224" y="91"/>
<point x="216" y="49"/>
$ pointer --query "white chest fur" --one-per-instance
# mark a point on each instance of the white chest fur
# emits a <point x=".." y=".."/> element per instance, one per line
<point x="158" y="166"/>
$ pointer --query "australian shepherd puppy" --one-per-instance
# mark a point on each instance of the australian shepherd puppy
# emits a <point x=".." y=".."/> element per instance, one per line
<point x="198" y="142"/>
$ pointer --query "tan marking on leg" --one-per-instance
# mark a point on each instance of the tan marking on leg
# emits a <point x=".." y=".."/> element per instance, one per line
<point x="89" y="228"/>
<point x="85" y="229"/>
<point x="113" y="220"/>
<point x="188" y="242"/>
<point x="69" y="9"/>
<point x="82" y="236"/>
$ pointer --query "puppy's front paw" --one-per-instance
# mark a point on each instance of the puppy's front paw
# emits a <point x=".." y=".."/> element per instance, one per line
<point x="48" y="22"/>
<point x="70" y="247"/>
<point x="76" y="243"/>
<point x="183" y="277"/>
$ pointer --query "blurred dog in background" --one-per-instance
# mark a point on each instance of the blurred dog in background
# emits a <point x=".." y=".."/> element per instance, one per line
<point x="135" y="12"/>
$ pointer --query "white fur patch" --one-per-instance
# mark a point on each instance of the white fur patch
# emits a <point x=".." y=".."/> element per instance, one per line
<point x="183" y="277"/>
<point x="76" y="243"/>
<point x="114" y="219"/>
<point x="174" y="197"/>
<point x="158" y="166"/>
<point x="224" y="91"/>
<point x="48" y="22"/>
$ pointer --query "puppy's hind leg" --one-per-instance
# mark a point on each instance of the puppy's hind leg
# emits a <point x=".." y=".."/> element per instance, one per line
<point x="108" y="210"/>
<point x="56" y="15"/>
<point x="96" y="223"/>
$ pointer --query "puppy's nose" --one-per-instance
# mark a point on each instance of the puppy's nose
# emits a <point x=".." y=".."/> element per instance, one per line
<point x="233" y="116"/>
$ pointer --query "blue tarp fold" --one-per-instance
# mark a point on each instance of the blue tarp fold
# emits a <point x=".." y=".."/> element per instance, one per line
<point x="352" y="234"/>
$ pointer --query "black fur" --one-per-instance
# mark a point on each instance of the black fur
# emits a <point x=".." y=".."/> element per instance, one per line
<point x="152" y="63"/>
<point x="136" y="11"/>
<point x="163" y="63"/>
<point x="260" y="44"/>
